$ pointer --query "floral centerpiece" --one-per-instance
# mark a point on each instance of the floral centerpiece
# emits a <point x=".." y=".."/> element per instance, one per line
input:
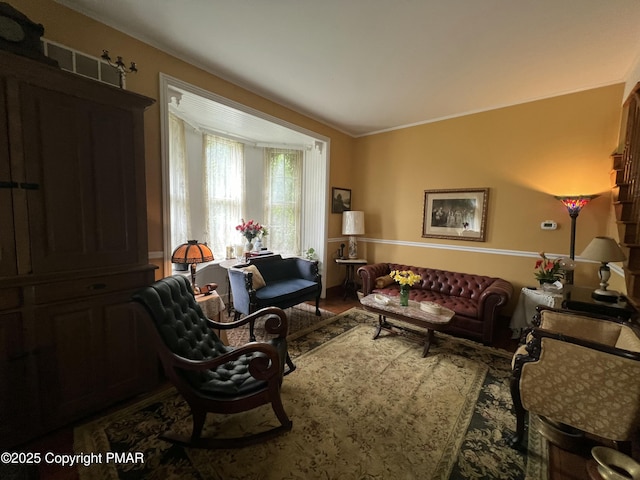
<point x="547" y="270"/>
<point x="406" y="279"/>
<point x="250" y="230"/>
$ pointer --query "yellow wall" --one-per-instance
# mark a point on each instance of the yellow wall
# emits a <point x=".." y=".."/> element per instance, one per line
<point x="77" y="31"/>
<point x="524" y="154"/>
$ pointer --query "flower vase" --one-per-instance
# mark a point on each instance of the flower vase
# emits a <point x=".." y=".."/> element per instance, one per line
<point x="257" y="244"/>
<point x="404" y="295"/>
<point x="248" y="247"/>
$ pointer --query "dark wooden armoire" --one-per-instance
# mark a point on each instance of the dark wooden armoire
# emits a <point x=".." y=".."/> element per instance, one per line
<point x="73" y="248"/>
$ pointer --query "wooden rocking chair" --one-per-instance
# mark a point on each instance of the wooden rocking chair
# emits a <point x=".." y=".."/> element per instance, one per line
<point x="211" y="376"/>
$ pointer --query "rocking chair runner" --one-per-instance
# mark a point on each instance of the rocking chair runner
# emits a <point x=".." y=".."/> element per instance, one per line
<point x="211" y="376"/>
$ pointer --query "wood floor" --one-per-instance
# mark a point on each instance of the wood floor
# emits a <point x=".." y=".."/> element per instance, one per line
<point x="563" y="465"/>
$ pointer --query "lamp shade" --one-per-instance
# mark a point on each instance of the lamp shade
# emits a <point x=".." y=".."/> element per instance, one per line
<point x="603" y="249"/>
<point x="192" y="252"/>
<point x="575" y="203"/>
<point x="353" y="223"/>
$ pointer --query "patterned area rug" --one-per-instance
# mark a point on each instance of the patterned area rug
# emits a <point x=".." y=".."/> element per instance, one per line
<point x="361" y="409"/>
<point x="302" y="318"/>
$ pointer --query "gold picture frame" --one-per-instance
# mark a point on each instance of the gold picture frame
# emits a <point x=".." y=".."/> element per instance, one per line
<point x="455" y="214"/>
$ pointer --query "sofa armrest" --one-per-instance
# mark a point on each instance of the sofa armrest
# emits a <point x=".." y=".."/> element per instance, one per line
<point x="308" y="269"/>
<point x="369" y="273"/>
<point x="244" y="295"/>
<point x="496" y="296"/>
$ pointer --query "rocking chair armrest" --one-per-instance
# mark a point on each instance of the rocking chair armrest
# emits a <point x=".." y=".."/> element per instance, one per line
<point x="276" y="323"/>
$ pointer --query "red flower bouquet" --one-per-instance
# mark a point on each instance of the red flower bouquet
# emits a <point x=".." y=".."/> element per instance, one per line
<point x="250" y="229"/>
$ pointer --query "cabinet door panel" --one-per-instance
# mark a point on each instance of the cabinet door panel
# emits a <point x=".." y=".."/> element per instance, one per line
<point x="69" y="356"/>
<point x="7" y="240"/>
<point x="18" y="415"/>
<point x="131" y="362"/>
<point x="83" y="202"/>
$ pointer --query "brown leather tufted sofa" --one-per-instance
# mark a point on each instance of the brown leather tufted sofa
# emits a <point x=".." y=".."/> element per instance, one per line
<point x="476" y="299"/>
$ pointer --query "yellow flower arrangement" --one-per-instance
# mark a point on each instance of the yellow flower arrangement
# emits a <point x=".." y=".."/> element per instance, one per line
<point x="405" y="277"/>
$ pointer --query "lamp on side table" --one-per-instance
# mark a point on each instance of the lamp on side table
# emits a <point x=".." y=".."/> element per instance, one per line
<point x="352" y="225"/>
<point x="192" y="253"/>
<point x="604" y="250"/>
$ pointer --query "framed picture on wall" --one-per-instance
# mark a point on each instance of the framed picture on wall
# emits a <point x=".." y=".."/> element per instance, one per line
<point x="340" y="200"/>
<point x="455" y="214"/>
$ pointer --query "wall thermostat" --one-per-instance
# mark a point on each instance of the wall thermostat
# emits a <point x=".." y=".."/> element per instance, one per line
<point x="548" y="225"/>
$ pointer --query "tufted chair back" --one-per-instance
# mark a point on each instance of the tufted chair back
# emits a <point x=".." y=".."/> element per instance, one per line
<point x="179" y="319"/>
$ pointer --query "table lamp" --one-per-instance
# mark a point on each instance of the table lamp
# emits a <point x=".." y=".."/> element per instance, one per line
<point x="352" y="225"/>
<point x="192" y="253"/>
<point x="604" y="250"/>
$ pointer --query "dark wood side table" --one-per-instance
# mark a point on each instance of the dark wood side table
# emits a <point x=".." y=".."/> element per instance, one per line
<point x="579" y="298"/>
<point x="350" y="285"/>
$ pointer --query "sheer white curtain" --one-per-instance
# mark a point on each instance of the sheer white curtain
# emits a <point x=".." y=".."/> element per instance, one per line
<point x="178" y="184"/>
<point x="283" y="194"/>
<point x="223" y="192"/>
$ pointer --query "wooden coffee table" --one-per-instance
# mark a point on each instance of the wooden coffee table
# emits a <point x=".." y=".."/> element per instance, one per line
<point x="412" y="315"/>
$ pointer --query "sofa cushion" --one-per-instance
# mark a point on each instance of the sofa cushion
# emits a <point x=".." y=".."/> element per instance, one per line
<point x="384" y="281"/>
<point x="461" y="305"/>
<point x="283" y="290"/>
<point x="256" y="280"/>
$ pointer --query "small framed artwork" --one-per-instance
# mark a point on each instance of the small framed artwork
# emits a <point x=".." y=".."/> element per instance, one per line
<point x="455" y="214"/>
<point x="340" y="200"/>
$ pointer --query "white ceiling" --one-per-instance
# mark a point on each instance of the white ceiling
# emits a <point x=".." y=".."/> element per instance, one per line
<point x="364" y="66"/>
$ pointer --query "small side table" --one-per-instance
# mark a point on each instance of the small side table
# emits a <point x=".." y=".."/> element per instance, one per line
<point x="579" y="298"/>
<point x="212" y="305"/>
<point x="529" y="299"/>
<point x="350" y="285"/>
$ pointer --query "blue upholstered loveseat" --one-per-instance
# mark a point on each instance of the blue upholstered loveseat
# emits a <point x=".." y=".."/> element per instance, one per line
<point x="273" y="281"/>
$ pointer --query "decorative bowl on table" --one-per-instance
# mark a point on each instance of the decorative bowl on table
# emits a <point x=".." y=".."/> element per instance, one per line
<point x="381" y="299"/>
<point x="615" y="465"/>
<point x="431" y="307"/>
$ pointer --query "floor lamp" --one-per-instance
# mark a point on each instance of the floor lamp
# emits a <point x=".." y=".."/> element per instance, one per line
<point x="574" y="204"/>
